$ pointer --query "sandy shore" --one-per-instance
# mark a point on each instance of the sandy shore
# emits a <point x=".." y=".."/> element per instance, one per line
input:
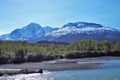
<point x="61" y="64"/>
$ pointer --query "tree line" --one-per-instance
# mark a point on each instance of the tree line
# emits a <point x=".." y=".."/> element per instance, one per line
<point x="21" y="51"/>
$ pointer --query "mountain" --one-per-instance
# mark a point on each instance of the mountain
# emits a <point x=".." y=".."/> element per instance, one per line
<point x="69" y="32"/>
<point x="28" y="33"/>
<point x="31" y="33"/>
<point x="83" y="30"/>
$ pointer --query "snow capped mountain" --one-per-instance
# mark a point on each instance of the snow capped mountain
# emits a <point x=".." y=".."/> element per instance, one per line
<point x="82" y="25"/>
<point x="33" y="32"/>
<point x="28" y="33"/>
<point x="79" y="27"/>
<point x="82" y="30"/>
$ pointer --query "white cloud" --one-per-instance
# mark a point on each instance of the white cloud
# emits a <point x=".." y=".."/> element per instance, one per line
<point x="1" y="32"/>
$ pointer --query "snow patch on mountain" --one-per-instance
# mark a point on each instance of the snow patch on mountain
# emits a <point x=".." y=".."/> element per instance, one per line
<point x="73" y="30"/>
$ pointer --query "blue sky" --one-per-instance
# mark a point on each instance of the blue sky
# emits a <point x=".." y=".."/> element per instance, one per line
<point x="55" y="13"/>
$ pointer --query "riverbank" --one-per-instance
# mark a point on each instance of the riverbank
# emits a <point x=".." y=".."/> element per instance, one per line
<point x="61" y="64"/>
<point x="108" y="69"/>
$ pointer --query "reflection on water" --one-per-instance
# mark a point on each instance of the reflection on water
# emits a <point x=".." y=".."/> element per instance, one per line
<point x="109" y="70"/>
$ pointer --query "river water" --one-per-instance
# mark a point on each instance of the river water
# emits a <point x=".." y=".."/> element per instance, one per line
<point x="109" y="70"/>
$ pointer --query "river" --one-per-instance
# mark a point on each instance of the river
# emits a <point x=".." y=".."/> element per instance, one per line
<point x="108" y="70"/>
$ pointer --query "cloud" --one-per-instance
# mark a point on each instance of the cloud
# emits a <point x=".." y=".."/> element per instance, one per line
<point x="1" y="32"/>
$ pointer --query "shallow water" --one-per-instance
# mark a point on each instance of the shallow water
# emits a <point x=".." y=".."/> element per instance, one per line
<point x="109" y="70"/>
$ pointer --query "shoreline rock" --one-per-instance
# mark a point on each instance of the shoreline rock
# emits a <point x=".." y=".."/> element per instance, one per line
<point x="19" y="71"/>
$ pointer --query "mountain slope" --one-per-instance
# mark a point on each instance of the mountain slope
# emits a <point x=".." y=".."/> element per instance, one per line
<point x="49" y="29"/>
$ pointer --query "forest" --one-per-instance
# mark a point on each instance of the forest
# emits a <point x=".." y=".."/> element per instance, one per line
<point x="20" y="51"/>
